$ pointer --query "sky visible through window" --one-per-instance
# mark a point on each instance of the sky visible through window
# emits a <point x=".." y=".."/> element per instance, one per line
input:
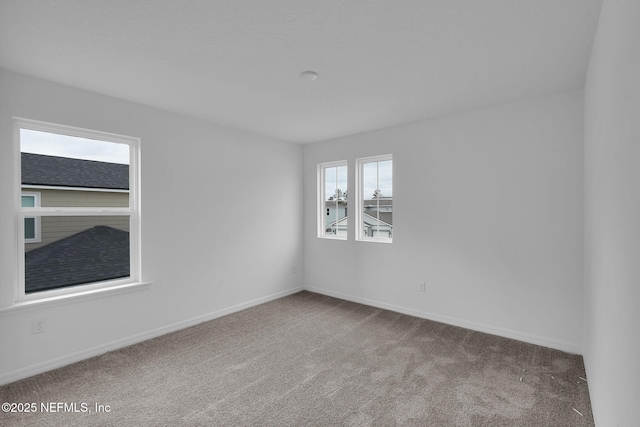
<point x="335" y="178"/>
<point x="52" y="144"/>
<point x="385" y="180"/>
<point x="382" y="177"/>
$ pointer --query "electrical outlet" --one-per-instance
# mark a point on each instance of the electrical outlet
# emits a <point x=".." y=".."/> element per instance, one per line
<point x="293" y="269"/>
<point x="38" y="326"/>
<point x="422" y="287"/>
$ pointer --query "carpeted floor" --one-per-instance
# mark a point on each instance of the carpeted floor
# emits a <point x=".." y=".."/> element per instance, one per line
<point x="312" y="360"/>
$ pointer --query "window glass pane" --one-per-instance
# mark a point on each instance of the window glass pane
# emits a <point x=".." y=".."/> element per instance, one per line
<point x="29" y="228"/>
<point x="340" y="197"/>
<point x="335" y="201"/>
<point x="81" y="172"/>
<point x="77" y="250"/>
<point x="329" y="183"/>
<point x="342" y="182"/>
<point x="385" y="174"/>
<point x="330" y="216"/>
<point x="377" y="203"/>
<point x="28" y="202"/>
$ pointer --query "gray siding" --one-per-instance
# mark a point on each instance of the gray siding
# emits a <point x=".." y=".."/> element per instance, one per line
<point x="73" y="198"/>
<point x="54" y="228"/>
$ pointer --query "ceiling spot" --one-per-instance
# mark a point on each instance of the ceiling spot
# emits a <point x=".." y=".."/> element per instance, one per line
<point x="308" y="75"/>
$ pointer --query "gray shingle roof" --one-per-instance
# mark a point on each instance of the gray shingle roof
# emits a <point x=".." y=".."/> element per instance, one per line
<point x="38" y="169"/>
<point x="384" y="216"/>
<point x="99" y="253"/>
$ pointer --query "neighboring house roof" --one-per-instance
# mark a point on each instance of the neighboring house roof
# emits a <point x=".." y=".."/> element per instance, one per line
<point x="385" y="219"/>
<point x="99" y="253"/>
<point x="38" y="169"/>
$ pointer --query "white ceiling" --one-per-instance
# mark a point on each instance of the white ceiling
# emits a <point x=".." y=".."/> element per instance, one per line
<point x="237" y="62"/>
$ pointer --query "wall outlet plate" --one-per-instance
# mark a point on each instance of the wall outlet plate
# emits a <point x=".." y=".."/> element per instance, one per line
<point x="38" y="326"/>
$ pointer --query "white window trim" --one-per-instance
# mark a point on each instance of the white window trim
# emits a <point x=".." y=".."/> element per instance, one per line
<point x="133" y="211"/>
<point x="37" y="203"/>
<point x="359" y="223"/>
<point x="321" y="193"/>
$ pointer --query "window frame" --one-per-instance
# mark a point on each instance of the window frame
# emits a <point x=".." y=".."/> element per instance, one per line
<point x="132" y="211"/>
<point x="37" y="200"/>
<point x="359" y="215"/>
<point x="322" y="167"/>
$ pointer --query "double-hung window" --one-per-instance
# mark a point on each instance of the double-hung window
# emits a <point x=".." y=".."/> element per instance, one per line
<point x="78" y="213"/>
<point x="372" y="215"/>
<point x="374" y="184"/>
<point x="332" y="194"/>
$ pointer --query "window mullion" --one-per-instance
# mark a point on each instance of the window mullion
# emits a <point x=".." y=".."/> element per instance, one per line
<point x="65" y="211"/>
<point x="378" y="196"/>
<point x="335" y="193"/>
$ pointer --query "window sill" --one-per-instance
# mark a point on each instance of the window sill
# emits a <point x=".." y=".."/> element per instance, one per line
<point x="54" y="301"/>
<point x="332" y="238"/>
<point x="374" y="240"/>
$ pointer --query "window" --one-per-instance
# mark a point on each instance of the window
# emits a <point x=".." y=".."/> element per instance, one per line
<point x="374" y="183"/>
<point x="80" y="230"/>
<point x="332" y="215"/>
<point x="31" y="224"/>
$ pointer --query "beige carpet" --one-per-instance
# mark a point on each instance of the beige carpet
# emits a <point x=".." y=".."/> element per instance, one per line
<point x="312" y="360"/>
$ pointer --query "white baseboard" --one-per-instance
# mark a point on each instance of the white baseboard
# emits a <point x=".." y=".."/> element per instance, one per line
<point x="38" y="368"/>
<point x="520" y="336"/>
<point x="18" y="374"/>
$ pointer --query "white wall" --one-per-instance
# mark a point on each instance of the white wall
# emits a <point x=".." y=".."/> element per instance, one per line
<point x="488" y="210"/>
<point x="612" y="216"/>
<point x="202" y="248"/>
